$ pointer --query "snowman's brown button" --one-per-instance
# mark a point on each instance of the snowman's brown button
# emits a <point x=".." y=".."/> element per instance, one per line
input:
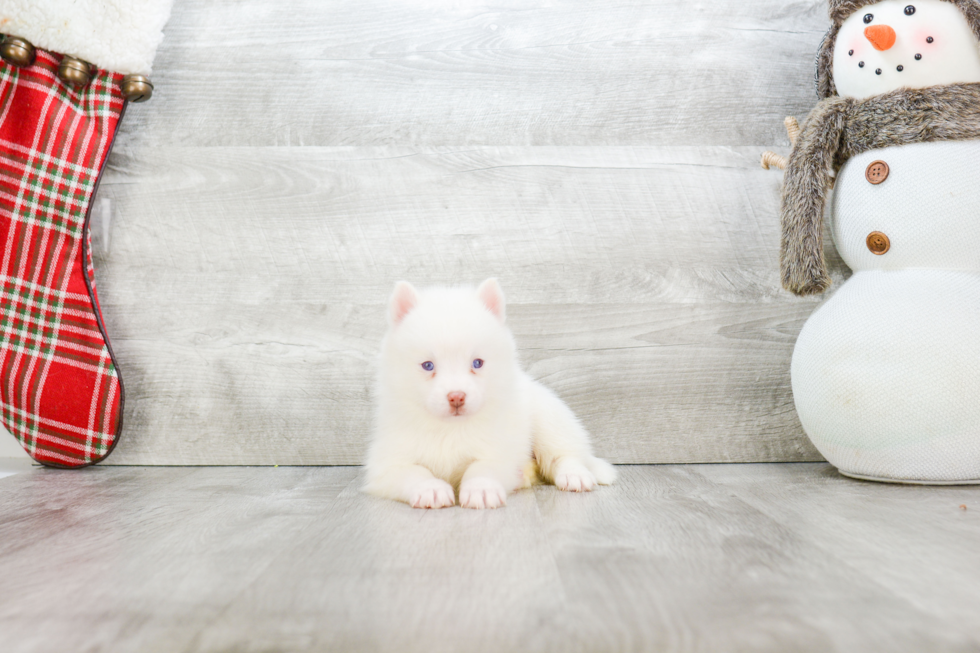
<point x="877" y="172"/>
<point x="878" y="243"/>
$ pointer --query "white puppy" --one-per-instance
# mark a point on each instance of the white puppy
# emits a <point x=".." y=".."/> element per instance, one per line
<point x="454" y="409"/>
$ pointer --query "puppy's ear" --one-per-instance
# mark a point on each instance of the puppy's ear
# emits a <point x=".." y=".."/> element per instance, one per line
<point x="402" y="301"/>
<point x="492" y="297"/>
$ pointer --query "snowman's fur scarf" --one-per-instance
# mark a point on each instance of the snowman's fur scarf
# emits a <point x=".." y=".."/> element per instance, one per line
<point x="839" y="128"/>
<point x="840" y="10"/>
<point x="509" y="431"/>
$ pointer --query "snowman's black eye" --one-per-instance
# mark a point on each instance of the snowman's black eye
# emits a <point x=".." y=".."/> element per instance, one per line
<point x="909" y="10"/>
<point x="869" y="17"/>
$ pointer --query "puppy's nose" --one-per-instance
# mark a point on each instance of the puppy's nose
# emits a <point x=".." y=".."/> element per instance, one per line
<point x="881" y="36"/>
<point x="456" y="399"/>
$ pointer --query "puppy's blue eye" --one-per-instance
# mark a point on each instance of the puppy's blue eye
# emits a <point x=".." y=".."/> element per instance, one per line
<point x="478" y="363"/>
<point x="428" y="366"/>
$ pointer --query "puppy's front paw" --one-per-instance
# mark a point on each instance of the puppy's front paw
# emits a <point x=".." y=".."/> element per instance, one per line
<point x="482" y="492"/>
<point x="431" y="493"/>
<point x="574" y="477"/>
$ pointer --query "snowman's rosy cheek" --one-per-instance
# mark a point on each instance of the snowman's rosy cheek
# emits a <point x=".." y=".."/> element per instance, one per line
<point x="921" y="36"/>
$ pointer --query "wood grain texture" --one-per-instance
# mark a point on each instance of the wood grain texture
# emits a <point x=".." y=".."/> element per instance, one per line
<point x="772" y="557"/>
<point x="671" y="560"/>
<point x="134" y="559"/>
<point x="879" y="520"/>
<point x="245" y="290"/>
<point x="564" y="72"/>
<point x="299" y="157"/>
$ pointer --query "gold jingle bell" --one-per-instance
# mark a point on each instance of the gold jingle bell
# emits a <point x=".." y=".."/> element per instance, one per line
<point x="17" y="51"/>
<point x="136" y="88"/>
<point x="75" y="71"/>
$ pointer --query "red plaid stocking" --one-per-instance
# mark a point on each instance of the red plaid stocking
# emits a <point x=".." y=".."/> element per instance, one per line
<point x="60" y="391"/>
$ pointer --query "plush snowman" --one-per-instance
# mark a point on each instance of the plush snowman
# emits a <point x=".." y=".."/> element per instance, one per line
<point x="886" y="373"/>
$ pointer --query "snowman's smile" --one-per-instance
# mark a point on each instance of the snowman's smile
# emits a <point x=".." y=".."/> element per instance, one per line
<point x="899" y="68"/>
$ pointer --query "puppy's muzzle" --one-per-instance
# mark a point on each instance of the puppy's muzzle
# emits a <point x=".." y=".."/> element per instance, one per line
<point x="456" y="401"/>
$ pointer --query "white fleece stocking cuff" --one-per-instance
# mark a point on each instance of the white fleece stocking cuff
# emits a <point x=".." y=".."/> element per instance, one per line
<point x="117" y="35"/>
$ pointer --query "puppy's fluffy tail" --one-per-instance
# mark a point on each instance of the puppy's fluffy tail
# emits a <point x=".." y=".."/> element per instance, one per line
<point x="605" y="474"/>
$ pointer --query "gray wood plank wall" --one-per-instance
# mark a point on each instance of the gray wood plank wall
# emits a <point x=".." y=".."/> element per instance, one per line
<point x="300" y="157"/>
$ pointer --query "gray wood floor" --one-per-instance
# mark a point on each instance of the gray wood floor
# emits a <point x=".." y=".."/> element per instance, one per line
<point x="299" y="157"/>
<point x="776" y="557"/>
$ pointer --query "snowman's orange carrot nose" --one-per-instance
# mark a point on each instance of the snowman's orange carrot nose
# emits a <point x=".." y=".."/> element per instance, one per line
<point x="881" y="36"/>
